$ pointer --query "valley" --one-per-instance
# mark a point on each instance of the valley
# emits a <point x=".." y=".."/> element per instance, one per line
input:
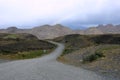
<point x="91" y="53"/>
<point x="59" y="40"/>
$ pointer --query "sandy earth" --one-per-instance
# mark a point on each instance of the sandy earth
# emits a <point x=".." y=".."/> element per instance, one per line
<point x="44" y="68"/>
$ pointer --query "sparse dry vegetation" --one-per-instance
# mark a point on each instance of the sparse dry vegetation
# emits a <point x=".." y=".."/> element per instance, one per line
<point x="23" y="46"/>
<point x="99" y="53"/>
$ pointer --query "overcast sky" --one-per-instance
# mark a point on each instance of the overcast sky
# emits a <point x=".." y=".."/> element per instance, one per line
<point x="73" y="13"/>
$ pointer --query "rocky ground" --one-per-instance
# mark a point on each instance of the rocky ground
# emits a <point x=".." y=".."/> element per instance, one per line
<point x="107" y="66"/>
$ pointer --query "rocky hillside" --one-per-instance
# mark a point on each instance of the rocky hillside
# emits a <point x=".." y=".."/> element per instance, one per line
<point x="109" y="28"/>
<point x="49" y="32"/>
<point x="101" y="29"/>
<point x="42" y="32"/>
<point x="99" y="53"/>
<point x="76" y="41"/>
<point x="93" y="30"/>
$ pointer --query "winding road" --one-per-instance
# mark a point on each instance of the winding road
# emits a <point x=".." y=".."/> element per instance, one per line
<point x="44" y="68"/>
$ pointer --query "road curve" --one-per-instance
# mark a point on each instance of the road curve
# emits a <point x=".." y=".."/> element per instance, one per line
<point x="44" y="68"/>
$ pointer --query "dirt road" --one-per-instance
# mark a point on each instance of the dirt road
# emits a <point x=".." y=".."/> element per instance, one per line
<point x="44" y="68"/>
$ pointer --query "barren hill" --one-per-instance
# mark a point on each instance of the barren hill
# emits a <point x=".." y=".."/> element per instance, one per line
<point x="49" y="32"/>
<point x="109" y="28"/>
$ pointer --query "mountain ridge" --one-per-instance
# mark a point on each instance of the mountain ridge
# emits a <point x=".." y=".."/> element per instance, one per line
<point x="52" y="31"/>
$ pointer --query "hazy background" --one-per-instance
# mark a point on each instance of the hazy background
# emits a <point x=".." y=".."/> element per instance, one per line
<point x="72" y="13"/>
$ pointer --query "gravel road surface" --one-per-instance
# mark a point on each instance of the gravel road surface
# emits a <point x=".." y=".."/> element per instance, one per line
<point x="44" y="68"/>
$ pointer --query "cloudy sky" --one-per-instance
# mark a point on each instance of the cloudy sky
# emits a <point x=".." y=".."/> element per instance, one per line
<point x="72" y="13"/>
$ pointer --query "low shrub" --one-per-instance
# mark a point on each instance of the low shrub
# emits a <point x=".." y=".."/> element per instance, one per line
<point x="67" y="51"/>
<point x="93" y="57"/>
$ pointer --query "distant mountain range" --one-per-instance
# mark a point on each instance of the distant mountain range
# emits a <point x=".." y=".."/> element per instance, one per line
<point x="49" y="32"/>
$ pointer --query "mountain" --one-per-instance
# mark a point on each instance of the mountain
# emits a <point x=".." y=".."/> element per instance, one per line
<point x="109" y="29"/>
<point x="14" y="29"/>
<point x="93" y="30"/>
<point x="101" y="29"/>
<point x="49" y="32"/>
<point x="42" y="32"/>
